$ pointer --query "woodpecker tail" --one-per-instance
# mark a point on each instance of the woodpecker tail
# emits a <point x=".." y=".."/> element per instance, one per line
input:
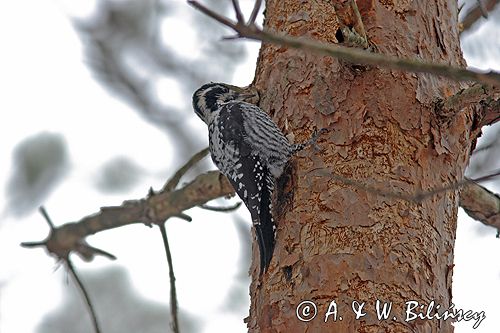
<point x="265" y="229"/>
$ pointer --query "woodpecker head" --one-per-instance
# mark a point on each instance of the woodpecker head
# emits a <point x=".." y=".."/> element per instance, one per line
<point x="209" y="97"/>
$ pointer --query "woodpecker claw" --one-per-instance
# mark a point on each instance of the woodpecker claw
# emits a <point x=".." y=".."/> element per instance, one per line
<point x="314" y="138"/>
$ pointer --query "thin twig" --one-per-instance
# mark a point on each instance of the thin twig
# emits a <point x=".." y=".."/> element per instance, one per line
<point x="172" y="182"/>
<point x="353" y="55"/>
<point x="94" y="250"/>
<point x="183" y="216"/>
<point x="46" y="216"/>
<point x="221" y="209"/>
<point x="173" y="291"/>
<point x="255" y="12"/>
<point x="85" y="295"/>
<point x="460" y="8"/>
<point x="417" y="197"/>
<point x="239" y="15"/>
<point x="33" y="244"/>
<point x="212" y="14"/>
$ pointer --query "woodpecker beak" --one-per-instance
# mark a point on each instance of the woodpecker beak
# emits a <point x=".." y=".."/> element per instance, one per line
<point x="249" y="95"/>
<point x="245" y="96"/>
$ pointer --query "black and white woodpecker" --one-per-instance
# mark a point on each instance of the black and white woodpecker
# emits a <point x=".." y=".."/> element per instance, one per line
<point x="250" y="150"/>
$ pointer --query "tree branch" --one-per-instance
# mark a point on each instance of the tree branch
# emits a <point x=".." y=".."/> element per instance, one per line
<point x="354" y="55"/>
<point x="476" y="13"/>
<point x="468" y="97"/>
<point x="255" y="11"/>
<point x="481" y="204"/>
<point x="156" y="208"/>
<point x="485" y="97"/>
<point x="173" y="290"/>
<point x="172" y="182"/>
<point x="490" y="112"/>
<point x="473" y="197"/>
<point x="69" y="264"/>
<point x="222" y="209"/>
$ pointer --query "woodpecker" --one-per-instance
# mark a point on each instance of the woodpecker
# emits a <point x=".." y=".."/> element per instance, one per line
<point x="250" y="150"/>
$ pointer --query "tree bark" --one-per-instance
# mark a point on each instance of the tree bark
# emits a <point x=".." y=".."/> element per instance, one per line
<point x="341" y="243"/>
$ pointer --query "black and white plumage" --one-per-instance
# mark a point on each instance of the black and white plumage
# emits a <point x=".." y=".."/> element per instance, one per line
<point x="248" y="148"/>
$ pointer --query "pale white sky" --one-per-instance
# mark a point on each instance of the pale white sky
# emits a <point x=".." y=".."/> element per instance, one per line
<point x="46" y="86"/>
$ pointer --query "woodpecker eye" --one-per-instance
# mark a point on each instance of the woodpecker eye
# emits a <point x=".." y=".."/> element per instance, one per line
<point x="208" y="97"/>
<point x="213" y="96"/>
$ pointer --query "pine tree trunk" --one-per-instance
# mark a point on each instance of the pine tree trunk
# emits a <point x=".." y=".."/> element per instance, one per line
<point x="343" y="243"/>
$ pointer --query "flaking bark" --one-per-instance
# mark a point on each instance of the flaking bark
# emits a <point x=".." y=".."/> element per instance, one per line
<point x="337" y="242"/>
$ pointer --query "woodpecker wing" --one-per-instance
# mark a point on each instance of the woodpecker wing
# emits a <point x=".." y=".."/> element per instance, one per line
<point x="235" y="156"/>
<point x="264" y="137"/>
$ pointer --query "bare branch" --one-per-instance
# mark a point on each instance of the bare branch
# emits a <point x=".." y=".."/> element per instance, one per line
<point x="239" y="15"/>
<point x="158" y="207"/>
<point x="172" y="183"/>
<point x="87" y="252"/>
<point x="460" y="8"/>
<point x="173" y="291"/>
<point x="221" y="209"/>
<point x="352" y="54"/>
<point x="59" y="248"/>
<point x="483" y="96"/>
<point x="476" y="13"/>
<point x="481" y="204"/>
<point x="477" y="201"/>
<point x="155" y="208"/>
<point x="490" y="112"/>
<point x="184" y="217"/>
<point x="46" y="216"/>
<point x="92" y="251"/>
<point x="85" y="295"/>
<point x="255" y="12"/>
<point x="71" y="268"/>
<point x="33" y="244"/>
<point x="467" y="97"/>
<point x="212" y="14"/>
<point x="416" y="197"/>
